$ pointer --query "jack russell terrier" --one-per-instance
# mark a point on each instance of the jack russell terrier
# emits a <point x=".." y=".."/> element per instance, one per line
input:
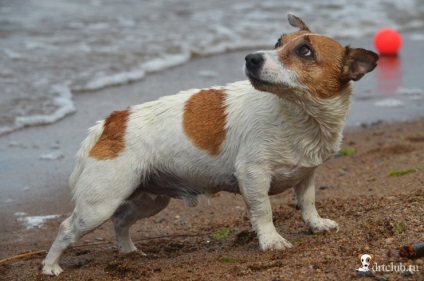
<point x="256" y="137"/>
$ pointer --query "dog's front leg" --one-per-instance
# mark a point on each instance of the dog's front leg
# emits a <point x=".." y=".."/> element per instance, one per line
<point x="254" y="184"/>
<point x="305" y="200"/>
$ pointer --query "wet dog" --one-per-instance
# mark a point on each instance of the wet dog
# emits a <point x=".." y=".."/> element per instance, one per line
<point x="256" y="137"/>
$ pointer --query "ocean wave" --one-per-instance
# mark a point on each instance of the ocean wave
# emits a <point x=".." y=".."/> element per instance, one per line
<point x="103" y="81"/>
<point x="86" y="46"/>
<point x="62" y="100"/>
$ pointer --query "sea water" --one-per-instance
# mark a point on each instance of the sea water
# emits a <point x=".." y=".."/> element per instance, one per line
<point x="53" y="49"/>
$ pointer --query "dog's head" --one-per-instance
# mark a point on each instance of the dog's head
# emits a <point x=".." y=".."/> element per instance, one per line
<point x="307" y="61"/>
<point x="366" y="260"/>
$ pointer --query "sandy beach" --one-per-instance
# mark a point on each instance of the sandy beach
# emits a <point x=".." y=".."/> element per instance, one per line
<point x="378" y="213"/>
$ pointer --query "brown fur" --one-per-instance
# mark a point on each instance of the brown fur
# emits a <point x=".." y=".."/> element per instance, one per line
<point x="321" y="72"/>
<point x="112" y="141"/>
<point x="204" y="120"/>
<point x="286" y="38"/>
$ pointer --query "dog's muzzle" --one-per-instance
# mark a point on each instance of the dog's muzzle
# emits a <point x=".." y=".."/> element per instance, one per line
<point x="254" y="62"/>
<point x="253" y="65"/>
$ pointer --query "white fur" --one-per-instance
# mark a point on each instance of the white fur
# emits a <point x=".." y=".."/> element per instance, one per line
<point x="266" y="139"/>
<point x="272" y="143"/>
<point x="275" y="72"/>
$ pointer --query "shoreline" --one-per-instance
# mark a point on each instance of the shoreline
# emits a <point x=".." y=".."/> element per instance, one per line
<point x="36" y="161"/>
<point x="391" y="70"/>
<point x="46" y="153"/>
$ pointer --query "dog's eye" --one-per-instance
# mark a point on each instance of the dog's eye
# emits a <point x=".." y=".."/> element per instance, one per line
<point x="304" y="51"/>
<point x="278" y="44"/>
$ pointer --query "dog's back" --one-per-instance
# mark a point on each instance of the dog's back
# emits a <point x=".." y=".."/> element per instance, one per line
<point x="210" y="126"/>
<point x="253" y="137"/>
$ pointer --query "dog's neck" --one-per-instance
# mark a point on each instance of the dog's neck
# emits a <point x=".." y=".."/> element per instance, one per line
<point x="319" y="123"/>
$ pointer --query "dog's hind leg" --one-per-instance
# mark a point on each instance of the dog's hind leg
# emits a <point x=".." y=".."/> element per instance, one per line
<point x="81" y="222"/>
<point x="141" y="205"/>
<point x="100" y="190"/>
<point x="67" y="235"/>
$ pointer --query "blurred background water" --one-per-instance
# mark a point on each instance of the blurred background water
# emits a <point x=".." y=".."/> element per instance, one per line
<point x="52" y="49"/>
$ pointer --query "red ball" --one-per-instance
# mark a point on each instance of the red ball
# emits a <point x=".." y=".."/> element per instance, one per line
<point x="388" y="41"/>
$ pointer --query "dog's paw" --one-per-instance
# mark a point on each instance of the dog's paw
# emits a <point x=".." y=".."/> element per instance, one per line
<point x="141" y="253"/>
<point x="274" y="241"/>
<point x="323" y="225"/>
<point x="51" y="270"/>
<point x="127" y="248"/>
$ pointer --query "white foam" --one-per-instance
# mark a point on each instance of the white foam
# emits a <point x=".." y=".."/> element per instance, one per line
<point x="106" y="80"/>
<point x="31" y="45"/>
<point x="165" y="62"/>
<point x="34" y="221"/>
<point x="55" y="155"/>
<point x="410" y="91"/>
<point x="12" y="54"/>
<point x="389" y="103"/>
<point x="207" y="73"/>
<point x="16" y="144"/>
<point x="125" y="21"/>
<point x="63" y="101"/>
<point x="417" y="37"/>
<point x="231" y="45"/>
<point x="98" y="26"/>
<point x="414" y="94"/>
<point x="5" y="130"/>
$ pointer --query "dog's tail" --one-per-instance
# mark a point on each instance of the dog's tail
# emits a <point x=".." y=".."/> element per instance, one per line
<point x="94" y="134"/>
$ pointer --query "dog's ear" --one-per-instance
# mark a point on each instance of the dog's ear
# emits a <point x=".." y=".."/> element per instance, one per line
<point x="297" y="22"/>
<point x="358" y="62"/>
<point x="372" y="256"/>
<point x="359" y="256"/>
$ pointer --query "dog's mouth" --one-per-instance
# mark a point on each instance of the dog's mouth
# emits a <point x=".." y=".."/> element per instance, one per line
<point x="264" y="85"/>
<point x="249" y="73"/>
<point x="259" y="84"/>
<point x="255" y="79"/>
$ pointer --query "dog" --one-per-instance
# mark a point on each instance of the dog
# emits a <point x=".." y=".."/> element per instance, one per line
<point x="256" y="137"/>
<point x="366" y="262"/>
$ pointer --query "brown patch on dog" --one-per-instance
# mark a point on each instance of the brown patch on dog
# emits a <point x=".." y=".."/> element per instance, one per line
<point x="204" y="120"/>
<point x="290" y="37"/>
<point x="321" y="72"/>
<point x="112" y="141"/>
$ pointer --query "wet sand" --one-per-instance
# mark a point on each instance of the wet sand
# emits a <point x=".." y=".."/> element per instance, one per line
<point x="38" y="186"/>
<point x="377" y="213"/>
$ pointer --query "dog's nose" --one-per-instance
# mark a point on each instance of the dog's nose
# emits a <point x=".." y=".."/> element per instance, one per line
<point x="254" y="60"/>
